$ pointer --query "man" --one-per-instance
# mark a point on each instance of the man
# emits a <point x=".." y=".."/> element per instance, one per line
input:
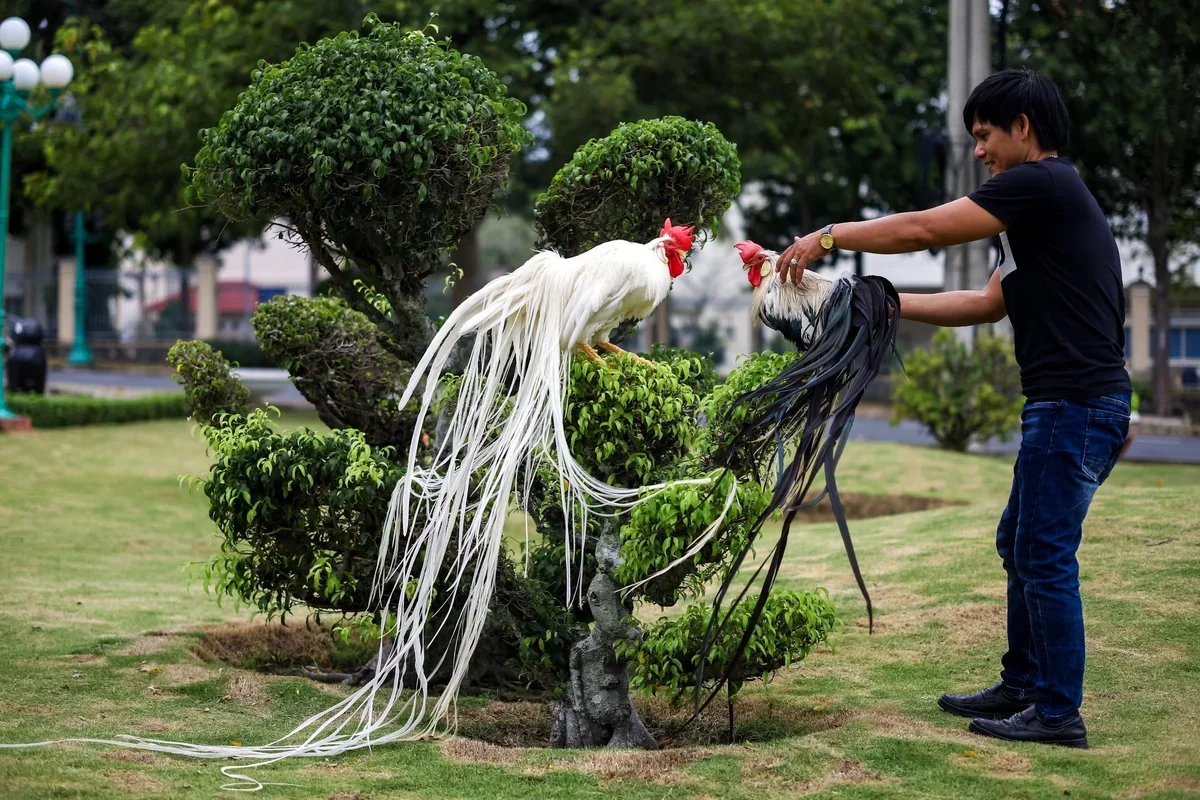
<point x="1059" y="282"/>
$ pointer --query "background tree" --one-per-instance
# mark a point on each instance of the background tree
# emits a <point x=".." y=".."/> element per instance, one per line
<point x="1130" y="74"/>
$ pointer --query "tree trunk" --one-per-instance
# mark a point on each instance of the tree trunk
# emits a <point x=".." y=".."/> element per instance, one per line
<point x="466" y="256"/>
<point x="598" y="711"/>
<point x="1156" y="239"/>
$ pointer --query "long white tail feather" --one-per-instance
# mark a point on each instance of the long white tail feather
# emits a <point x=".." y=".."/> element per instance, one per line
<point x="461" y="498"/>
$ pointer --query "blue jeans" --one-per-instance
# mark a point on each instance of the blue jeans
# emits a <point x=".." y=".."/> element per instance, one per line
<point x="1068" y="449"/>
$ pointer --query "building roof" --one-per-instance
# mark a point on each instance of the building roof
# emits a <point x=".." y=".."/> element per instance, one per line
<point x="233" y="297"/>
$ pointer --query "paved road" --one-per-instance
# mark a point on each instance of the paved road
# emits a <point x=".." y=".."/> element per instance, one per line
<point x="1164" y="449"/>
<point x="135" y="383"/>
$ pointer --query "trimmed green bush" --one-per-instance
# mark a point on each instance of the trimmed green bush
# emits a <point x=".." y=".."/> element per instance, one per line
<point x="792" y="624"/>
<point x="209" y="387"/>
<point x="961" y="394"/>
<point x="617" y="187"/>
<point x="61" y="411"/>
<point x="381" y="149"/>
<point x="242" y="353"/>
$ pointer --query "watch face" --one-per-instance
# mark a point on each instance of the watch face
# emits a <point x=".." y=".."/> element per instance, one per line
<point x="827" y="241"/>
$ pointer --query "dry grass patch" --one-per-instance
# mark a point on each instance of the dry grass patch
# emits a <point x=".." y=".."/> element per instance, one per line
<point x="507" y="724"/>
<point x="247" y="689"/>
<point x="647" y="766"/>
<point x="132" y="781"/>
<point x="966" y="625"/>
<point x="762" y="770"/>
<point x="132" y="756"/>
<point x="159" y="726"/>
<point x="1001" y="763"/>
<point x="15" y="708"/>
<point x="149" y="644"/>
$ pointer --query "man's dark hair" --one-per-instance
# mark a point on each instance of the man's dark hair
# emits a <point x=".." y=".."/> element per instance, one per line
<point x="1000" y="98"/>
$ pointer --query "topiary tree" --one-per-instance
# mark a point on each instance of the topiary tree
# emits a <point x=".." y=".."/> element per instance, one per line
<point x="961" y="394"/>
<point x="381" y="150"/>
<point x="400" y="123"/>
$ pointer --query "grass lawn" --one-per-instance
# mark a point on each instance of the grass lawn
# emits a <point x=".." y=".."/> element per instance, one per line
<point x="97" y="533"/>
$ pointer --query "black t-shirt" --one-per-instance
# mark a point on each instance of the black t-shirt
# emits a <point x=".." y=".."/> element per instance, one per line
<point x="1061" y="277"/>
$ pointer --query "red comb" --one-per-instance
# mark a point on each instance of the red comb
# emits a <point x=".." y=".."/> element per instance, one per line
<point x="680" y="235"/>
<point x="748" y="250"/>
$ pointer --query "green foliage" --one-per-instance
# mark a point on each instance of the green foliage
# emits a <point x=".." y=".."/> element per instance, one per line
<point x="722" y="418"/>
<point x="667" y="661"/>
<point x="627" y="422"/>
<point x="339" y="362"/>
<point x="861" y="78"/>
<point x="662" y="528"/>
<point x="241" y="353"/>
<point x="300" y="515"/>
<point x="961" y="394"/>
<point x="60" y="411"/>
<point x="144" y="95"/>
<point x="624" y="185"/>
<point x="383" y="148"/>
<point x="211" y="391"/>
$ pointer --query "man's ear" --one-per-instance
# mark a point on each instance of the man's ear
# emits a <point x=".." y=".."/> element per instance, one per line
<point x="1022" y="127"/>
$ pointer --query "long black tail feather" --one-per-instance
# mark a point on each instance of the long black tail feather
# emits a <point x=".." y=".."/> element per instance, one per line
<point x="810" y="404"/>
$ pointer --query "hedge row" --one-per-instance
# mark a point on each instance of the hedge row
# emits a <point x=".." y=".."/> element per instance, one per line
<point x="59" y="411"/>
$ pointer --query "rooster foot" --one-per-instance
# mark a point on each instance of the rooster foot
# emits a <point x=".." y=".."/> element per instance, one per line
<point x="590" y="353"/>
<point x="612" y="348"/>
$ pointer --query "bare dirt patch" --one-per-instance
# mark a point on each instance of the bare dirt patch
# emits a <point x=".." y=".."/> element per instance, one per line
<point x="869" y="506"/>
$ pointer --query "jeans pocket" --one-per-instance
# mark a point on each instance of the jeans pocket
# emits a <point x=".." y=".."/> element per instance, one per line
<point x="1103" y="435"/>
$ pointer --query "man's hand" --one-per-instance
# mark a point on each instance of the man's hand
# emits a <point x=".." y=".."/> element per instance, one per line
<point x="800" y="253"/>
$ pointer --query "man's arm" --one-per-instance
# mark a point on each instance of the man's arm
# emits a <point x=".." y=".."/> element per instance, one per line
<point x="949" y="224"/>
<point x="956" y="309"/>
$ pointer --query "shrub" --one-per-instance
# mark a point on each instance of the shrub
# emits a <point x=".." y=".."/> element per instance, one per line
<point x="380" y="149"/>
<point x="961" y="394"/>
<point x="60" y="411"/>
<point x="792" y="624"/>
<point x="241" y="353"/>
<point x="209" y="387"/>
<point x="300" y="514"/>
<point x="339" y="362"/>
<point x="618" y="187"/>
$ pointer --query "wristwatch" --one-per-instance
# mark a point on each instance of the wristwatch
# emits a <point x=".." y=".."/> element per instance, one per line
<point x="827" y="237"/>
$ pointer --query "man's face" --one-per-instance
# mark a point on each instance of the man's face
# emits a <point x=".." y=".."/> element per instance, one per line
<point x="997" y="148"/>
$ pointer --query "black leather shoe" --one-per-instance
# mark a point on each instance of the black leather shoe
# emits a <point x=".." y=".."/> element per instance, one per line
<point x="995" y="702"/>
<point x="1026" y="727"/>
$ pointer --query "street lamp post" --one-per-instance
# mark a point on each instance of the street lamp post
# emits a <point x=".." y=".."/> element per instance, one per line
<point x="18" y="78"/>
<point x="80" y="355"/>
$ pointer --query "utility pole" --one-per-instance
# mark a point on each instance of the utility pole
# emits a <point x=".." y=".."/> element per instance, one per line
<point x="969" y="63"/>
